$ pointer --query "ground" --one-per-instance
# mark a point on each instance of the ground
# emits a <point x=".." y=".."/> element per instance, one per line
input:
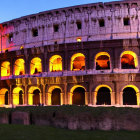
<point x="31" y="132"/>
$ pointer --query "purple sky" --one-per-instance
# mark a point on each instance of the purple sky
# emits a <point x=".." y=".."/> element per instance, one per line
<point x="10" y="9"/>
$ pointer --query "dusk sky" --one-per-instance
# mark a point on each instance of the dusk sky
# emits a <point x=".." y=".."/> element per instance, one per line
<point x="11" y="9"/>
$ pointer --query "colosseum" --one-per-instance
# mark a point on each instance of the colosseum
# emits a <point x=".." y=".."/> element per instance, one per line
<point x="84" y="55"/>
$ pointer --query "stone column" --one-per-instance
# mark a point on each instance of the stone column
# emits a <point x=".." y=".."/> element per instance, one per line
<point x="44" y="96"/>
<point x="86" y="98"/>
<point x="138" y="98"/>
<point x="30" y="98"/>
<point x="48" y="97"/>
<point x="25" y="95"/>
<point x="10" y="96"/>
<point x="62" y="98"/>
<point x="121" y="98"/>
<point x="70" y="98"/>
<point x="113" y="98"/>
<point x="94" y="97"/>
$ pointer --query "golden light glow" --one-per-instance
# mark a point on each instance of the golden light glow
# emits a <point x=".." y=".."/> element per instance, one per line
<point x="30" y="94"/>
<point x="5" y="68"/>
<point x="55" y="63"/>
<point x="79" y="39"/>
<point x="102" y="60"/>
<point x="19" y="67"/>
<point x="78" y="62"/>
<point x="2" y="96"/>
<point x="136" y="90"/>
<point x="129" y="59"/>
<point x="36" y="66"/>
<point x="16" y="95"/>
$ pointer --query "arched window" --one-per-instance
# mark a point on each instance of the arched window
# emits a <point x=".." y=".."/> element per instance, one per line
<point x="78" y="97"/>
<point x="56" y="97"/>
<point x="55" y="63"/>
<point x="102" y="60"/>
<point x="129" y="96"/>
<point x="18" y="96"/>
<point x="5" y="68"/>
<point x="36" y="97"/>
<point x="129" y="60"/>
<point x="4" y="99"/>
<point x="36" y="66"/>
<point x="103" y="96"/>
<point x="78" y="62"/>
<point x="19" y="67"/>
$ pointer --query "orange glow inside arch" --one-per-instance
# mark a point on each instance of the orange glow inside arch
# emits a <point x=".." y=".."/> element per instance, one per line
<point x="55" y="63"/>
<point x="5" y="68"/>
<point x="2" y="96"/>
<point x="78" y="62"/>
<point x="19" y="67"/>
<point x="35" y="66"/>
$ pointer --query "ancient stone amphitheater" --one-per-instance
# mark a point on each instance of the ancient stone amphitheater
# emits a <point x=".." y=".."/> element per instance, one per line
<point x="83" y="55"/>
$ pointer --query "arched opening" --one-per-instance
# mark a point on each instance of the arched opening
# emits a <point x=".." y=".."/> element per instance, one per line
<point x="102" y="60"/>
<point x="5" y="69"/>
<point x="4" y="97"/>
<point x="19" y="67"/>
<point x="129" y="60"/>
<point x="56" y="97"/>
<point x="103" y="96"/>
<point x="55" y="63"/>
<point x="129" y="96"/>
<point x="78" y="62"/>
<point x="78" y="97"/>
<point x="18" y="96"/>
<point x="36" y="97"/>
<point x="36" y="66"/>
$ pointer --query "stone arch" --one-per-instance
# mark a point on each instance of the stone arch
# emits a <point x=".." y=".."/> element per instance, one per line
<point x="55" y="63"/>
<point x="78" y="62"/>
<point x="18" y="96"/>
<point x="4" y="96"/>
<point x="34" y="95"/>
<point x="55" y="96"/>
<point x="102" y="61"/>
<point x="103" y="95"/>
<point x="36" y="65"/>
<point x="78" y="95"/>
<point x="5" y="68"/>
<point x="19" y="67"/>
<point x="130" y="95"/>
<point x="129" y="60"/>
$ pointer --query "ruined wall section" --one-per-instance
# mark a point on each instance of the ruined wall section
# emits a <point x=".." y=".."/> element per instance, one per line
<point x="66" y="19"/>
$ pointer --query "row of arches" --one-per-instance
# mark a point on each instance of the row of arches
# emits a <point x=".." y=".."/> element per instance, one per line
<point x="128" y="59"/>
<point x="77" y="96"/>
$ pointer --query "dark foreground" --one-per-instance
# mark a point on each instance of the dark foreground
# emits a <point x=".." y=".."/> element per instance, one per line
<point x="31" y="132"/>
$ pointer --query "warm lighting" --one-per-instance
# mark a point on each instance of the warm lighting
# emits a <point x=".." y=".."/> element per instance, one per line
<point x="102" y="60"/>
<point x="5" y="68"/>
<point x="16" y="97"/>
<point x="55" y="63"/>
<point x="79" y="39"/>
<point x="78" y="62"/>
<point x="21" y="48"/>
<point x="35" y="66"/>
<point x="129" y="60"/>
<point x="19" y="67"/>
<point x="2" y="96"/>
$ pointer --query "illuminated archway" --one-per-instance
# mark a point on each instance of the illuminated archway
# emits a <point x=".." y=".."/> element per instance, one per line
<point x="34" y="96"/>
<point x="130" y="95"/>
<point x="102" y="61"/>
<point x="55" y="63"/>
<point x="103" y="95"/>
<point x="18" y="96"/>
<point x="4" y="99"/>
<point x="36" y="66"/>
<point x="129" y="60"/>
<point x="5" y="68"/>
<point x="78" y="62"/>
<point x="78" y="95"/>
<point x="19" y="67"/>
<point x="56" y="97"/>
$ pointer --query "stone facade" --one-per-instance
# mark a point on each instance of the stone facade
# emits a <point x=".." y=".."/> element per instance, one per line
<point x="108" y="29"/>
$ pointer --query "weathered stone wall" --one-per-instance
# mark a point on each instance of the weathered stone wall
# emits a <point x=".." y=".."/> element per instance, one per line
<point x="89" y="15"/>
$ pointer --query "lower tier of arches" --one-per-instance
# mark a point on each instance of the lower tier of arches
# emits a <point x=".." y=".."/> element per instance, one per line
<point x="78" y="94"/>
